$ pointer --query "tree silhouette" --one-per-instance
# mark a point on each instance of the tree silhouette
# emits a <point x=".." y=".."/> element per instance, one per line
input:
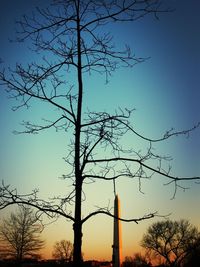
<point x="70" y="39"/>
<point x="193" y="256"/>
<point x="20" y="236"/>
<point x="172" y="240"/>
<point x="63" y="250"/>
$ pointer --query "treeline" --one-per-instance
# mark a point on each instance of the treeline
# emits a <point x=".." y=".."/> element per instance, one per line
<point x="51" y="263"/>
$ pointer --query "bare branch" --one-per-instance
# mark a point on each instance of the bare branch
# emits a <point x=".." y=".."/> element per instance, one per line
<point x="10" y="197"/>
<point x="106" y="212"/>
<point x="140" y="162"/>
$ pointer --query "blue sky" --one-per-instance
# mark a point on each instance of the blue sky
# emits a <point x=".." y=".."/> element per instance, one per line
<point x="165" y="92"/>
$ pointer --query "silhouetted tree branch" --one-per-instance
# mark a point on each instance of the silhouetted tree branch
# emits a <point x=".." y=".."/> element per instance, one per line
<point x="10" y="196"/>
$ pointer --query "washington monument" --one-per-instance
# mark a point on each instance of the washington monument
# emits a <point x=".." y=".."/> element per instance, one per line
<point x="116" y="257"/>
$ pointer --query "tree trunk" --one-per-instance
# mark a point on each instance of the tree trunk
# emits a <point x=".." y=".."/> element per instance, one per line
<point x="77" y="252"/>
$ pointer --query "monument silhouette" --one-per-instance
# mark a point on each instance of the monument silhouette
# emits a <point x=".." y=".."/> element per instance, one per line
<point x="116" y="257"/>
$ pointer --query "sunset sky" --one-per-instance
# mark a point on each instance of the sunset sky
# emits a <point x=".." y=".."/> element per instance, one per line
<point x="165" y="92"/>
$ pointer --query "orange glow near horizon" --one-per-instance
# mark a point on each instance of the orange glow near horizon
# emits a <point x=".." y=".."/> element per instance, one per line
<point x="100" y="254"/>
<point x="95" y="247"/>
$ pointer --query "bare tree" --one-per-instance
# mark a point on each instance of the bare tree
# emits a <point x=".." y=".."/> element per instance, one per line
<point x="63" y="250"/>
<point x="172" y="240"/>
<point x="70" y="38"/>
<point x="20" y="235"/>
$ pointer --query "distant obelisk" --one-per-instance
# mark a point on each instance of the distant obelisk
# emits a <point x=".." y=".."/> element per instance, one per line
<point x="116" y="257"/>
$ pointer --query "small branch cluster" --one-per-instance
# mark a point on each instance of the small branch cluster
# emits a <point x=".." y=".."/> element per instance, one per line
<point x="10" y="196"/>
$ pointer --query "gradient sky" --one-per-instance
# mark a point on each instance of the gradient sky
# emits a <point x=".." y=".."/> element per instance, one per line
<point x="165" y="92"/>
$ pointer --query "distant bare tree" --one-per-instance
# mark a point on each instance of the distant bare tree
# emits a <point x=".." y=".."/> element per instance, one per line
<point x="173" y="241"/>
<point x="70" y="38"/>
<point x="63" y="250"/>
<point x="20" y="235"/>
